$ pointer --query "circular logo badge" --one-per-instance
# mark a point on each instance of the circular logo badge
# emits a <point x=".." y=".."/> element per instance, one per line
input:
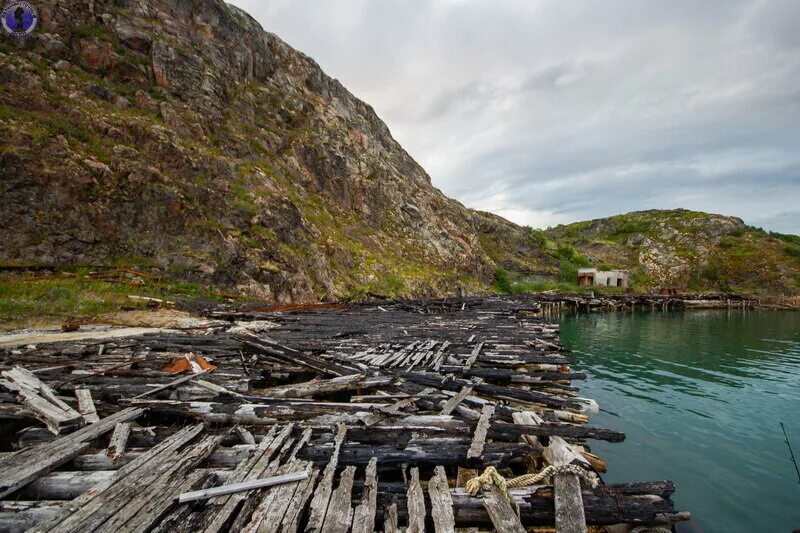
<point x="19" y="18"/>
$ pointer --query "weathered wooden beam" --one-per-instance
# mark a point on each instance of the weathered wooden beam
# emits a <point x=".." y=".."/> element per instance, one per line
<point x="503" y="517"/>
<point x="473" y="356"/>
<point x="364" y="515"/>
<point x="22" y="467"/>
<point x="321" y="499"/>
<point x="339" y="515"/>
<point x="450" y="405"/>
<point x="86" y="406"/>
<point x="415" y="504"/>
<point x="441" y="502"/>
<point x="479" y="439"/>
<point x="119" y="441"/>
<point x="325" y="386"/>
<point x="570" y="517"/>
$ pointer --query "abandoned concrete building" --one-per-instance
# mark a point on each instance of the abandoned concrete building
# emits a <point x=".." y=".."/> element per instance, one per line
<point x="602" y="278"/>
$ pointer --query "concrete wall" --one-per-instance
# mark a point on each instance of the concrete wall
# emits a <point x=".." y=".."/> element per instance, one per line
<point x="604" y="278"/>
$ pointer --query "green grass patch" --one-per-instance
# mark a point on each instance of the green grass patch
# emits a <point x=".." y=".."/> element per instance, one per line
<point x="76" y="295"/>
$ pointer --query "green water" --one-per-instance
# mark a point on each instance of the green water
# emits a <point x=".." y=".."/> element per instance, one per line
<point x="700" y="396"/>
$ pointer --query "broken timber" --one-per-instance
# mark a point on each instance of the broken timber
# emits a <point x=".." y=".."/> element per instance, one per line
<point x="370" y="412"/>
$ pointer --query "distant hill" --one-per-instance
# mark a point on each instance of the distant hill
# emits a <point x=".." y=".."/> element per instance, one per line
<point x="687" y="250"/>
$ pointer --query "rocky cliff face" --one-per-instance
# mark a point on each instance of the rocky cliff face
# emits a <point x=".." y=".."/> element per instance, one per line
<point x="178" y="135"/>
<point x="689" y="250"/>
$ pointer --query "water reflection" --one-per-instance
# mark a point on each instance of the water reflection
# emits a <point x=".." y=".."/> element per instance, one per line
<point x="700" y="395"/>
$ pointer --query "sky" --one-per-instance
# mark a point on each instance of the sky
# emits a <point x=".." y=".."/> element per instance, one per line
<point x="550" y="112"/>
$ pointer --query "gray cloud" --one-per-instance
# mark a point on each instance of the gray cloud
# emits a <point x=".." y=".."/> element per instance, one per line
<point x="547" y="112"/>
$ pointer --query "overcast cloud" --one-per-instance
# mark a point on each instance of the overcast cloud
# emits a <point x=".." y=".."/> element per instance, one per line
<point x="550" y="112"/>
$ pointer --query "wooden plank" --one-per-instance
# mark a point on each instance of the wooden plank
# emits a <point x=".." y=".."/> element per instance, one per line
<point x="441" y="502"/>
<point x="22" y="467"/>
<point x="390" y="519"/>
<point x="473" y="356"/>
<point x="42" y="400"/>
<point x="245" y="436"/>
<point x="416" y="504"/>
<point x="294" y="511"/>
<point x="339" y="516"/>
<point x="453" y="402"/>
<point x="261" y="465"/>
<point x="320" y="501"/>
<point x="270" y="512"/>
<point x="364" y="515"/>
<point x="479" y="438"/>
<point x="119" y="441"/>
<point x="181" y="380"/>
<point x="397" y="407"/>
<point x="570" y="517"/>
<point x="240" y="487"/>
<point x="440" y="356"/>
<point x="157" y="495"/>
<point x="503" y="517"/>
<point x="105" y="499"/>
<point x="86" y="406"/>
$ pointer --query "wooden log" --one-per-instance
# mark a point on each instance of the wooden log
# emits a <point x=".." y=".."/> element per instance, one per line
<point x="86" y="406"/>
<point x="479" y="439"/>
<point x="63" y="485"/>
<point x="119" y="441"/>
<point x="21" y="515"/>
<point x="254" y="414"/>
<point x="364" y="514"/>
<point x="493" y="391"/>
<point x="339" y="515"/>
<point x="441" y="502"/>
<point x="448" y="452"/>
<point x="174" y="383"/>
<point x="396" y="408"/>
<point x="325" y="386"/>
<point x="503" y="517"/>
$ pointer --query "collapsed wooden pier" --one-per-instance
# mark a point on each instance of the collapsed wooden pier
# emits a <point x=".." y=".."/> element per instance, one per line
<point x="400" y="416"/>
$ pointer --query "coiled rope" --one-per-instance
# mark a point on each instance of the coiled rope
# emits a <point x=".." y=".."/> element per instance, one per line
<point x="491" y="477"/>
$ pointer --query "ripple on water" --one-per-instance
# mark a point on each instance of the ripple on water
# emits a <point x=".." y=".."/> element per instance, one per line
<point x="700" y="396"/>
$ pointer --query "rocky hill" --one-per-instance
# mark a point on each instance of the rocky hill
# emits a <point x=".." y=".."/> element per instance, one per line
<point x="181" y="137"/>
<point x="179" y="140"/>
<point x="687" y="250"/>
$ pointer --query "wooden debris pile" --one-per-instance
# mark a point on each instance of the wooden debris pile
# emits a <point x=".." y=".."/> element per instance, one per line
<point x="366" y="418"/>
